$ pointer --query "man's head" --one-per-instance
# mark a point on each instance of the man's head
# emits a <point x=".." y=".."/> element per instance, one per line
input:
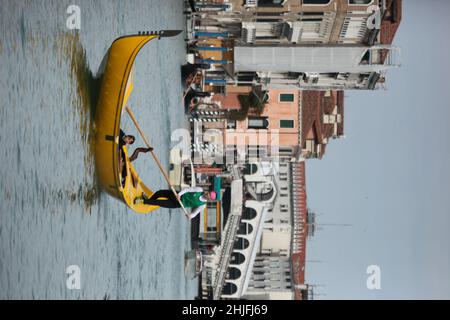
<point x="129" y="139"/>
<point x="210" y="195"/>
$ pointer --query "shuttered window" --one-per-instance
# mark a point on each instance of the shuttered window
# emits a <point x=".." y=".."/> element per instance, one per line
<point x="286" y="97"/>
<point x="288" y="124"/>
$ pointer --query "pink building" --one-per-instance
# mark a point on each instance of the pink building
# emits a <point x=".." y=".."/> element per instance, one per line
<point x="275" y="131"/>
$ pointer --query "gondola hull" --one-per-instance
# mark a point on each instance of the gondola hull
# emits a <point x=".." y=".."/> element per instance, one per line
<point x="117" y="84"/>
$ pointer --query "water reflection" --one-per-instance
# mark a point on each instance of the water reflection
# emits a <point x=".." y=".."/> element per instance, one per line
<point x="84" y="96"/>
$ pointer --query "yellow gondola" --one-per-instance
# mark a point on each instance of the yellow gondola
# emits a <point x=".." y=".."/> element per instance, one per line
<point x="117" y="85"/>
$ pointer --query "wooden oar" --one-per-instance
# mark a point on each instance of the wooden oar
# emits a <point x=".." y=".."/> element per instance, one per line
<point x="155" y="158"/>
<point x="189" y="86"/>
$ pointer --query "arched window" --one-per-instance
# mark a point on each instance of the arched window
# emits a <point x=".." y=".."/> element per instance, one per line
<point x="245" y="229"/>
<point x="250" y="168"/>
<point x="237" y="258"/>
<point x="233" y="273"/>
<point x="266" y="195"/>
<point x="229" y="289"/>
<point x="249" y="214"/>
<point x="241" y="244"/>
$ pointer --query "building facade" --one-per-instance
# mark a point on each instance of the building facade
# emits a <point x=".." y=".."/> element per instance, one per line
<point x="292" y="125"/>
<point x="304" y="44"/>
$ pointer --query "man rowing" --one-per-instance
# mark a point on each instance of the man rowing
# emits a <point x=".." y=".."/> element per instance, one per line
<point x="194" y="198"/>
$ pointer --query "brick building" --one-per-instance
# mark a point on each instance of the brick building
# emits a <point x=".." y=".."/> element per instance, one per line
<point x="322" y="120"/>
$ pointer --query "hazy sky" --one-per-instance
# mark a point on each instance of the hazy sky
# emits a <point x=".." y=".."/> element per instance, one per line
<point x="390" y="177"/>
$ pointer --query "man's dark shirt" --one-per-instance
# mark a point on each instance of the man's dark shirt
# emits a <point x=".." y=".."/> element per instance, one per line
<point x="121" y="136"/>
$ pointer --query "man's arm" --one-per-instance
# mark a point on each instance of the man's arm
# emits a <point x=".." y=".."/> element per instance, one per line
<point x="193" y="189"/>
<point x="196" y="211"/>
<point x="136" y="153"/>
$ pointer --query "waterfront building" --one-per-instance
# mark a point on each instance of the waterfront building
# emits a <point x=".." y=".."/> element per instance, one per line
<point x="270" y="132"/>
<point x="292" y="124"/>
<point x="262" y="253"/>
<point x="279" y="268"/>
<point x="309" y="45"/>
<point x="271" y="279"/>
<point x="228" y="265"/>
<point x="225" y="129"/>
<point x="275" y="72"/>
<point x="322" y="121"/>
<point x="303" y="230"/>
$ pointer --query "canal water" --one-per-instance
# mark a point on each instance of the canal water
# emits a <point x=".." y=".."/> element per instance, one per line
<point x="52" y="214"/>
